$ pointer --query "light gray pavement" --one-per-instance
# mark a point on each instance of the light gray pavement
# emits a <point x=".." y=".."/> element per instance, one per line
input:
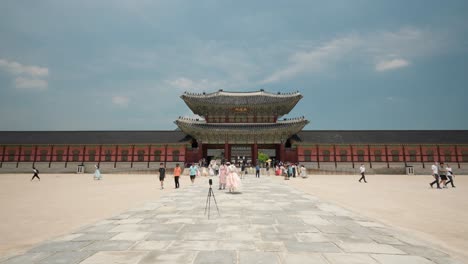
<point x="268" y="222"/>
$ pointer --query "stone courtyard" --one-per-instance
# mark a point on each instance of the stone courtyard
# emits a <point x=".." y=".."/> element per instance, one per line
<point x="266" y="222"/>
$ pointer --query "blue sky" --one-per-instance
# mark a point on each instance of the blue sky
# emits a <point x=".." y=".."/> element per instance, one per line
<point x="122" y="64"/>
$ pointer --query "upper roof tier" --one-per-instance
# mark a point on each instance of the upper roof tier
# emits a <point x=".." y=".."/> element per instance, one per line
<point x="258" y="102"/>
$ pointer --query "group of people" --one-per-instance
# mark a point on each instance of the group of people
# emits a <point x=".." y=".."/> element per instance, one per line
<point x="290" y="170"/>
<point x="441" y="173"/>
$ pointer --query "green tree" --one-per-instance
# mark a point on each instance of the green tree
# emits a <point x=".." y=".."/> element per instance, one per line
<point x="262" y="157"/>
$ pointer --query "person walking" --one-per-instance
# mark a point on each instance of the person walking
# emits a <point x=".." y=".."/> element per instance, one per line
<point x="193" y="172"/>
<point x="294" y="170"/>
<point x="223" y="171"/>
<point x="290" y="171"/>
<point x="162" y="174"/>
<point x="435" y="174"/>
<point x="303" y="171"/>
<point x="443" y="175"/>
<point x="257" y="171"/>
<point x="233" y="182"/>
<point x="177" y="172"/>
<point x="362" y="169"/>
<point x="36" y="174"/>
<point x="450" y="176"/>
<point x="97" y="173"/>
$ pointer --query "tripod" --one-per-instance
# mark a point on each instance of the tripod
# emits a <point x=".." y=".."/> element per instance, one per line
<point x="208" y="201"/>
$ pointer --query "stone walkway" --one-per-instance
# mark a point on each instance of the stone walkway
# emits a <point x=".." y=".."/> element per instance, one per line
<point x="268" y="222"/>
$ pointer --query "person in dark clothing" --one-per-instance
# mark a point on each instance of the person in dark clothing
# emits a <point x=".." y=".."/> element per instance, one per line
<point x="162" y="174"/>
<point x="257" y="171"/>
<point x="450" y="176"/>
<point x="36" y="174"/>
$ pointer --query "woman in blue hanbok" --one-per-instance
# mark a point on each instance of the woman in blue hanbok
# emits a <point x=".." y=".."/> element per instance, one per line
<point x="97" y="173"/>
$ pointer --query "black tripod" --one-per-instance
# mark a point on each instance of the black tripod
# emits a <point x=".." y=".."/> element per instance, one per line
<point x="208" y="200"/>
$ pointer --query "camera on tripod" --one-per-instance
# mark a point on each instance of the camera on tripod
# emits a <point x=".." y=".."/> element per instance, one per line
<point x="210" y="181"/>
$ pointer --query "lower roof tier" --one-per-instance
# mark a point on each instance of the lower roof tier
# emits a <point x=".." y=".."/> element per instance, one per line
<point x="241" y="133"/>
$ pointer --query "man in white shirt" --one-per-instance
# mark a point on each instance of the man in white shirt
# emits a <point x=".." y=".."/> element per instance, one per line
<point x="362" y="169"/>
<point x="435" y="173"/>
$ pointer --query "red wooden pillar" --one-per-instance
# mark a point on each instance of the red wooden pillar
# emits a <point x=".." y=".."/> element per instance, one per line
<point x="254" y="153"/>
<point x="84" y="154"/>
<point x="3" y="156"/>
<point x="404" y="155"/>
<point x="352" y="154"/>
<point x="19" y="156"/>
<point x="68" y="152"/>
<point x="116" y="155"/>
<point x="334" y="156"/>
<point x="51" y="155"/>
<point x="133" y="156"/>
<point x="149" y="156"/>
<point x="227" y="152"/>
<point x="456" y="155"/>
<point x="35" y="156"/>
<point x="386" y="156"/>
<point x="100" y="155"/>
<point x="318" y="156"/>
<point x="165" y="155"/>
<point x="422" y="157"/>
<point x="438" y="153"/>
<point x="369" y="156"/>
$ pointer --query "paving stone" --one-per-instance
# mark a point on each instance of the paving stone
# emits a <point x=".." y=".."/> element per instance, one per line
<point x="236" y="245"/>
<point x="348" y="238"/>
<point x="27" y="258"/>
<point x="94" y="236"/>
<point x="216" y="257"/>
<point x="194" y="245"/>
<point x="312" y="237"/>
<point x="110" y="245"/>
<point x="129" y="221"/>
<point x="270" y="246"/>
<point x="66" y="257"/>
<point x="311" y="247"/>
<point x="421" y="251"/>
<point x="382" y="239"/>
<point x="130" y="236"/>
<point x="254" y="257"/>
<point x="151" y="245"/>
<point x="333" y="229"/>
<point x="370" y="224"/>
<point x="117" y="257"/>
<point x="302" y="258"/>
<point x="130" y="228"/>
<point x="61" y="246"/>
<point x="344" y="258"/>
<point x="164" y="236"/>
<point x="399" y="259"/>
<point x="169" y="257"/>
<point x="369" y="248"/>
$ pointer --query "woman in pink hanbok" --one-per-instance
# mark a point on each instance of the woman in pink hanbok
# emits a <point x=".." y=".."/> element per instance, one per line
<point x="233" y="182"/>
<point x="223" y="171"/>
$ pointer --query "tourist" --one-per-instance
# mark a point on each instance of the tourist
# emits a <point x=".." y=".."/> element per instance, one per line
<point x="177" y="172"/>
<point x="268" y="169"/>
<point x="277" y="170"/>
<point x="289" y="171"/>
<point x="211" y="170"/>
<point x="362" y="169"/>
<point x="257" y="171"/>
<point x="97" y="173"/>
<point x="162" y="174"/>
<point x="294" y="169"/>
<point x="193" y="172"/>
<point x="435" y="174"/>
<point x="233" y="182"/>
<point x="223" y="171"/>
<point x="443" y="175"/>
<point x="243" y="170"/>
<point x="450" y="176"/>
<point x="36" y="174"/>
<point x="303" y="172"/>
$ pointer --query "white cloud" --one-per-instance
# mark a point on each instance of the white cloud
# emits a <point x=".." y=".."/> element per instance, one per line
<point x="121" y="101"/>
<point x="34" y="84"/>
<point x="315" y="59"/>
<point x="17" y="68"/>
<point x="29" y="76"/>
<point x="393" y="64"/>
<point x="186" y="84"/>
<point x="372" y="49"/>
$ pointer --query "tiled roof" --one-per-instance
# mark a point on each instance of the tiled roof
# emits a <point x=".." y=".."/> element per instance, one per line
<point x="92" y="137"/>
<point x="383" y="136"/>
<point x="240" y="98"/>
<point x="295" y="125"/>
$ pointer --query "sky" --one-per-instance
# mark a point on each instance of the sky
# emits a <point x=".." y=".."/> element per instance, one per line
<point x="123" y="64"/>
